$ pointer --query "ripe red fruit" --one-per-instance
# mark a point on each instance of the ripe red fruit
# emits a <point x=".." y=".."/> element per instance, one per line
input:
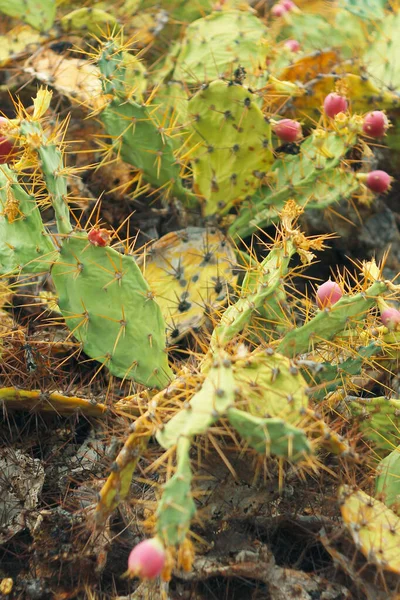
<point x="328" y="294"/>
<point x="288" y="4"/>
<point x="390" y="317"/>
<point x="147" y="559"/>
<point x="99" y="237"/>
<point x="334" y="104"/>
<point x="375" y="124"/>
<point x="293" y="45"/>
<point x="7" y="147"/>
<point x="378" y="181"/>
<point x="288" y="130"/>
<point x="278" y="10"/>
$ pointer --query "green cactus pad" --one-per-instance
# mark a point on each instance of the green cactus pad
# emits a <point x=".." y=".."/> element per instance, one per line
<point x="329" y="322"/>
<point x="311" y="177"/>
<point x="189" y="272"/>
<point x="216" y="45"/>
<point x="176" y="507"/>
<point x="269" y="385"/>
<point x="387" y="482"/>
<point x="207" y="405"/>
<point x="40" y="15"/>
<point x="259" y="286"/>
<point x="108" y="307"/>
<point x="379" y="420"/>
<point x="24" y="244"/>
<point x="231" y="140"/>
<point x="374" y="528"/>
<point x="270" y="436"/>
<point x="140" y="141"/>
<point x="53" y="170"/>
<point x="122" y="73"/>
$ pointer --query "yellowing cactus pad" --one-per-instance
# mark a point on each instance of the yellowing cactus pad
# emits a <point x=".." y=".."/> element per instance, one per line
<point x="73" y="77"/>
<point x="374" y="528"/>
<point x="189" y="272"/>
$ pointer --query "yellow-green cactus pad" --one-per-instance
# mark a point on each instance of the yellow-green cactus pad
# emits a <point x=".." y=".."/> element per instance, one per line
<point x="217" y="44"/>
<point x="270" y="385"/>
<point x="231" y="145"/>
<point x="374" y="528"/>
<point x="189" y="272"/>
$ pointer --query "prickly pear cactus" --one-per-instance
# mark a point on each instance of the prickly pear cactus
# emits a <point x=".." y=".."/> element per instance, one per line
<point x="176" y="507"/>
<point x="387" y="483"/>
<point x="137" y="135"/>
<point x="190" y="273"/>
<point x="39" y="15"/>
<point x="381" y="58"/>
<point x="377" y="419"/>
<point x="216" y="45"/>
<point x="231" y="145"/>
<point x="18" y="41"/>
<point x="109" y="307"/>
<point x="24" y="243"/>
<point x="314" y="177"/>
<point x="270" y="385"/>
<point x="374" y="528"/>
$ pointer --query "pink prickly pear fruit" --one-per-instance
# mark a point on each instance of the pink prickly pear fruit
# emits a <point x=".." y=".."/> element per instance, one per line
<point x="278" y="10"/>
<point x="390" y="317"/>
<point x="293" y="45"/>
<point x="7" y="146"/>
<point x="375" y="124"/>
<point x="147" y="559"/>
<point x="378" y="181"/>
<point x="99" y="237"/>
<point x="288" y="130"/>
<point x="328" y="294"/>
<point x="335" y="104"/>
<point x="288" y="5"/>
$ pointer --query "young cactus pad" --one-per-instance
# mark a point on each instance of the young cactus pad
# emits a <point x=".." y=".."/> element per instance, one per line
<point x="24" y="244"/>
<point x="374" y="528"/>
<point x="176" y="507"/>
<point x="231" y="145"/>
<point x="270" y="436"/>
<point x="109" y="307"/>
<point x="189" y="272"/>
